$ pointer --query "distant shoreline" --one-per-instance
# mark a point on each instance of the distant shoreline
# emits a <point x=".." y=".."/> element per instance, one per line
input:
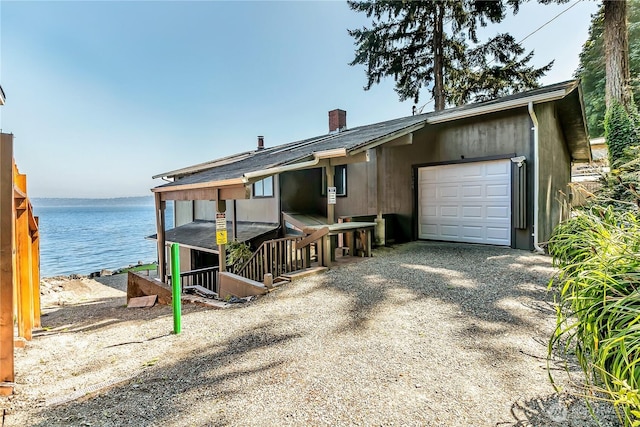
<point x="71" y="202"/>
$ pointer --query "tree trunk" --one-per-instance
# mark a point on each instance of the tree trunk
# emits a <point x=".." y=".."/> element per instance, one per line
<point x="616" y="53"/>
<point x="438" y="63"/>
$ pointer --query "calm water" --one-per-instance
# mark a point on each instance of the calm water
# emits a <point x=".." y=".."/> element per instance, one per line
<point x="90" y="237"/>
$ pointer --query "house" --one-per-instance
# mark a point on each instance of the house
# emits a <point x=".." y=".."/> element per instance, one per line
<point x="494" y="173"/>
<point x="586" y="177"/>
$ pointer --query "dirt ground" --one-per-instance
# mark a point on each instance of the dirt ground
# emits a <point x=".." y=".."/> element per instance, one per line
<point x="424" y="334"/>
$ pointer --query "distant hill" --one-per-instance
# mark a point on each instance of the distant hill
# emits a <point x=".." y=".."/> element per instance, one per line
<point x="116" y="201"/>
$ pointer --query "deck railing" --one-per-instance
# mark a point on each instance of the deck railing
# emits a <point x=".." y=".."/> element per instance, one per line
<point x="278" y="257"/>
<point x="205" y="277"/>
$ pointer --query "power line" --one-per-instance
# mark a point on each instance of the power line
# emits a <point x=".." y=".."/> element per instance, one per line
<point x="526" y="37"/>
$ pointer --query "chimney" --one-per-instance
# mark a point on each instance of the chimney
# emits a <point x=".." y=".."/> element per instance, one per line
<point x="337" y="120"/>
<point x="261" y="143"/>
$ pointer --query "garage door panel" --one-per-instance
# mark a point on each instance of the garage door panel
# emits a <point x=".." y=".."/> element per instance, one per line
<point x="429" y="229"/>
<point x="471" y="191"/>
<point x="497" y="190"/>
<point x="449" y="212"/>
<point x="500" y="168"/>
<point x="468" y="202"/>
<point x="471" y="171"/>
<point x="472" y="232"/>
<point x="428" y="175"/>
<point x="430" y="211"/>
<point x="498" y="212"/>
<point x="449" y="230"/>
<point x="428" y="192"/>
<point x="447" y="191"/>
<point x="472" y="212"/>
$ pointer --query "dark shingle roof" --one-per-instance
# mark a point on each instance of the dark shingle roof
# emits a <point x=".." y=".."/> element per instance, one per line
<point x="201" y="234"/>
<point x="235" y="166"/>
<point x="298" y="151"/>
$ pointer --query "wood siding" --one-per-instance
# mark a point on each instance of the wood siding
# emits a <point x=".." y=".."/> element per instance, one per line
<point x="555" y="171"/>
<point x="494" y="135"/>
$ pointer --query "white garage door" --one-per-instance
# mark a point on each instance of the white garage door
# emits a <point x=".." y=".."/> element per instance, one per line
<point x="466" y="202"/>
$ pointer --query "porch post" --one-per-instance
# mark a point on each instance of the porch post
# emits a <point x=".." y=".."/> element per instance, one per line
<point x="162" y="262"/>
<point x="234" y="220"/>
<point x="222" y="254"/>
<point x="380" y="226"/>
<point x="331" y="209"/>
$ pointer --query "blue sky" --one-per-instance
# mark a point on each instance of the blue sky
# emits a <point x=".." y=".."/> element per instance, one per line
<point x="103" y="95"/>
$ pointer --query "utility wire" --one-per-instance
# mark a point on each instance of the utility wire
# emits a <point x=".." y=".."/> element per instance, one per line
<point x="523" y="39"/>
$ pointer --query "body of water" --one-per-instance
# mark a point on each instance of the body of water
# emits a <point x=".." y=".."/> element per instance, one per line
<point x="84" y="235"/>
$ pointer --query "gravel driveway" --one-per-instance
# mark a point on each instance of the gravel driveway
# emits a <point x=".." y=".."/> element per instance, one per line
<point x="423" y="334"/>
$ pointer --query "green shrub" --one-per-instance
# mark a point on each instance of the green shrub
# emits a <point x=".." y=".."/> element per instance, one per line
<point x="598" y="252"/>
<point x="238" y="253"/>
<point x="621" y="133"/>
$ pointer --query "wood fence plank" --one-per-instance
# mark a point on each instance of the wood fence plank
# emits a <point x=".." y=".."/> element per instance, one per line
<point x="25" y="288"/>
<point x="6" y="263"/>
<point x="35" y="274"/>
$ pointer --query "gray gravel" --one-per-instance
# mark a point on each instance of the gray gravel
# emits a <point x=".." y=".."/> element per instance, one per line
<point x="423" y="334"/>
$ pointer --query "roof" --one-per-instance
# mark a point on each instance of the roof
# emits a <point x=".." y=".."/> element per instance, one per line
<point x="201" y="234"/>
<point x="242" y="167"/>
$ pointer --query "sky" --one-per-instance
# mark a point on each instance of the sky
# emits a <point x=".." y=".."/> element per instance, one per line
<point x="102" y="95"/>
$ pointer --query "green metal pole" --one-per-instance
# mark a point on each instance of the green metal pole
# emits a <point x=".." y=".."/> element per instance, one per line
<point x="175" y="283"/>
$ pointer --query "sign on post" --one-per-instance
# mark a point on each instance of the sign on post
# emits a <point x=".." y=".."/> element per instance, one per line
<point x="221" y="228"/>
<point x="331" y="195"/>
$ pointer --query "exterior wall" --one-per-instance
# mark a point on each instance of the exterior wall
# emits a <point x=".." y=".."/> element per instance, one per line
<point x="261" y="209"/>
<point x="361" y="189"/>
<point x="253" y="210"/>
<point x="183" y="212"/>
<point x="555" y="171"/>
<point x="495" y="135"/>
<point x="204" y="209"/>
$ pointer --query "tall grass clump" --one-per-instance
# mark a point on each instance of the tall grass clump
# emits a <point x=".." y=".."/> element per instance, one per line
<point x="597" y="251"/>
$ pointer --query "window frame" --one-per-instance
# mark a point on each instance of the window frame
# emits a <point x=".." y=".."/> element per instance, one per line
<point x="343" y="176"/>
<point x="261" y="184"/>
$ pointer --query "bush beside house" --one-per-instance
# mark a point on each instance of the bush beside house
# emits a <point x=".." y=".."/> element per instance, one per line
<point x="598" y="252"/>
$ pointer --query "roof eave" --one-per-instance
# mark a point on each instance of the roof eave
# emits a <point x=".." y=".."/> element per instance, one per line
<point x="210" y="184"/>
<point x="386" y="138"/>
<point x="499" y="106"/>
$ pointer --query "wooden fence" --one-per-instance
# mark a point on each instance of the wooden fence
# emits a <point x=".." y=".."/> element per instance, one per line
<point x="19" y="263"/>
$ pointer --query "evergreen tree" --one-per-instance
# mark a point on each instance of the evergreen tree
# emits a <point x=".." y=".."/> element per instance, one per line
<point x="592" y="66"/>
<point x="435" y="44"/>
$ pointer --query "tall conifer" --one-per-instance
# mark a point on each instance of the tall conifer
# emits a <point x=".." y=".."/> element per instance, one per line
<point x="435" y="45"/>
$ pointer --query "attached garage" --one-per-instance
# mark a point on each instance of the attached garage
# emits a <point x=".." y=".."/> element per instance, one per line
<point x="466" y="202"/>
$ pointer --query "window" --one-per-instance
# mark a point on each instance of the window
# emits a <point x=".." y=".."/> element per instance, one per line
<point x="339" y="180"/>
<point x="263" y="188"/>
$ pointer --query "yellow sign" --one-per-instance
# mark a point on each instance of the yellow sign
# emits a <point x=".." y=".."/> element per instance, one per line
<point x="221" y="237"/>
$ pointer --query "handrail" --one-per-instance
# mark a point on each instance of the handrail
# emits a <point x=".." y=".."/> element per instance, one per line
<point x="206" y="277"/>
<point x="277" y="257"/>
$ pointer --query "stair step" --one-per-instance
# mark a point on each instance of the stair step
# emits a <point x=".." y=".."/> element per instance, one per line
<point x="299" y="274"/>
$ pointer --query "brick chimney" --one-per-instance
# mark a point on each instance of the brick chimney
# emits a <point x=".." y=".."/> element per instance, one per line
<point x="261" y="142"/>
<point x="337" y="120"/>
